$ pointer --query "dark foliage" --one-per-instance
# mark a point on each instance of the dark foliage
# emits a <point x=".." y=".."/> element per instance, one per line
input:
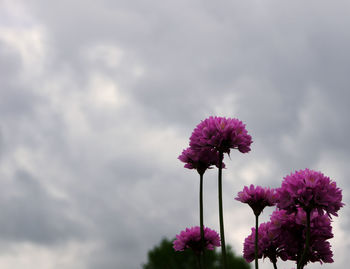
<point x="163" y="256"/>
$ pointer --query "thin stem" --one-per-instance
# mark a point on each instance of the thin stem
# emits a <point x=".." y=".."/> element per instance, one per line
<point x="221" y="215"/>
<point x="307" y="241"/>
<point x="274" y="265"/>
<point x="201" y="217"/>
<point x="256" y="240"/>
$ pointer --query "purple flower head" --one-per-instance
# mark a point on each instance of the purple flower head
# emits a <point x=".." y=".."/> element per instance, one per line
<point x="310" y="190"/>
<point x="199" y="159"/>
<point x="221" y="134"/>
<point x="268" y="244"/>
<point x="290" y="234"/>
<point x="257" y="197"/>
<point x="191" y="238"/>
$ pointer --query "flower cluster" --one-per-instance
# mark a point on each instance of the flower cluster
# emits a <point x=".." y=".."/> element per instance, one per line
<point x="211" y="136"/>
<point x="310" y="190"/>
<point x="200" y="159"/>
<point x="191" y="238"/>
<point x="268" y="246"/>
<point x="221" y="134"/>
<point x="209" y="141"/>
<point x="284" y="236"/>
<point x="298" y="229"/>
<point x="257" y="197"/>
<point x="291" y="233"/>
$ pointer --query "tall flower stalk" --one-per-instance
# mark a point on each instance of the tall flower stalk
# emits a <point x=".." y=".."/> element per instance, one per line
<point x="256" y="241"/>
<point x="221" y="135"/>
<point x="221" y="212"/>
<point x="201" y="222"/>
<point x="201" y="160"/>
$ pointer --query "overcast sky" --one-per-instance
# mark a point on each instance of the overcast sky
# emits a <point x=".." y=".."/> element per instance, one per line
<point x="98" y="99"/>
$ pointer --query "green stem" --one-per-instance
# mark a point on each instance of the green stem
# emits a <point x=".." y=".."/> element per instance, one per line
<point x="221" y="215"/>
<point x="307" y="241"/>
<point x="201" y="216"/>
<point x="256" y="240"/>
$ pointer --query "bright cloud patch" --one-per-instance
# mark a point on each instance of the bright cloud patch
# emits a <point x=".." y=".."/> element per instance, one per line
<point x="27" y="255"/>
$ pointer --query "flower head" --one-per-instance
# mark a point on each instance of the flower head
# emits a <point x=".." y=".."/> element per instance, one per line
<point x="310" y="190"/>
<point x="199" y="159"/>
<point x="257" y="197"/>
<point x="290" y="234"/>
<point x="191" y="238"/>
<point x="221" y="134"/>
<point x="268" y="244"/>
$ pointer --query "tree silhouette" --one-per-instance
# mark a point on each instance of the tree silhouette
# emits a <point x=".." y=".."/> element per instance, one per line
<point x="163" y="256"/>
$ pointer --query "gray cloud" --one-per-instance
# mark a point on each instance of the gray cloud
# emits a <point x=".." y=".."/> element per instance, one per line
<point x="30" y="214"/>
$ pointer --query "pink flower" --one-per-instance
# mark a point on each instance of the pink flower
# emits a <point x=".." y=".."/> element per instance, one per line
<point x="268" y="244"/>
<point x="191" y="238"/>
<point x="257" y="198"/>
<point x="290" y="234"/>
<point x="249" y="247"/>
<point x="200" y="159"/>
<point x="310" y="190"/>
<point x="221" y="134"/>
<point x="284" y="237"/>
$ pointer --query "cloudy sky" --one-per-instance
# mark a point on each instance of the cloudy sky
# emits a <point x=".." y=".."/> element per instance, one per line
<point x="98" y="98"/>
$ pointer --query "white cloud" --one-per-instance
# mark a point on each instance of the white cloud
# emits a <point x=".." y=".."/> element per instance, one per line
<point x="252" y="172"/>
<point x="29" y="42"/>
<point x="27" y="255"/>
